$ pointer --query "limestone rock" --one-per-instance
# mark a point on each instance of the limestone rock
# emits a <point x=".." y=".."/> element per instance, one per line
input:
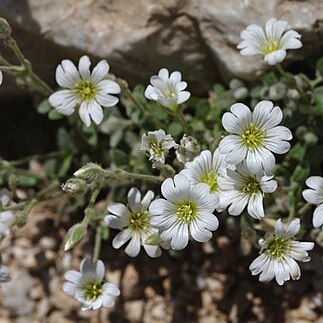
<point x="198" y="38"/>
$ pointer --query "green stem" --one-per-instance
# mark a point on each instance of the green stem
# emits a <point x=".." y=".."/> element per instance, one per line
<point x="40" y="196"/>
<point x="125" y="89"/>
<point x="97" y="245"/>
<point x="25" y="70"/>
<point x="122" y="174"/>
<point x="12" y="69"/>
<point x="26" y="159"/>
<point x="180" y="116"/>
<point x="89" y="211"/>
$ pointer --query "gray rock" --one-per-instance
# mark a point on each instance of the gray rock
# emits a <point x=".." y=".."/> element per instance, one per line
<point x="139" y="37"/>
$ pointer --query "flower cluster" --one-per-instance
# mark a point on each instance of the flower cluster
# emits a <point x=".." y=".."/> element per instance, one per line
<point x="233" y="174"/>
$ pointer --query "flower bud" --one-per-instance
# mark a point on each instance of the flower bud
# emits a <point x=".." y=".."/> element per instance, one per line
<point x="153" y="240"/>
<point x="188" y="149"/>
<point x="4" y="274"/>
<point x="5" y="29"/>
<point x="90" y="172"/>
<point x="74" y="235"/>
<point x="75" y="185"/>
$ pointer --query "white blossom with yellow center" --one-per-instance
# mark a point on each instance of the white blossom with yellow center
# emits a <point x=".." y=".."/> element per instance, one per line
<point x="271" y="43"/>
<point x="167" y="89"/>
<point x="88" y="286"/>
<point x="255" y="136"/>
<point x="279" y="252"/>
<point x="241" y="188"/>
<point x="84" y="91"/>
<point x="134" y="221"/>
<point x="208" y="168"/>
<point x="186" y="211"/>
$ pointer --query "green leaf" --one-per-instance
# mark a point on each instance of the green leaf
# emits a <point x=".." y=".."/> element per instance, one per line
<point x="157" y="112"/>
<point x="65" y="166"/>
<point x="91" y="134"/>
<point x="118" y="156"/>
<point x="300" y="173"/>
<point x="297" y="152"/>
<point x="116" y="137"/>
<point x="202" y="109"/>
<point x="64" y="140"/>
<point x="175" y="129"/>
<point x="54" y="115"/>
<point x="44" y="107"/>
<point x="50" y="166"/>
<point x="28" y="180"/>
<point x="319" y="66"/>
<point x="269" y="78"/>
<point x="105" y="233"/>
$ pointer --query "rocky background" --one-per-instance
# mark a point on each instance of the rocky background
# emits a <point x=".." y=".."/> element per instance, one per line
<point x="206" y="282"/>
<point x="137" y="38"/>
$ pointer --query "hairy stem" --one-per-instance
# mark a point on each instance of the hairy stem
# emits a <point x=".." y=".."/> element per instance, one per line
<point x="122" y="174"/>
<point x="97" y="245"/>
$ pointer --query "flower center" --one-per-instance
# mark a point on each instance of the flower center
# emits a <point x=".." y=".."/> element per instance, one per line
<point x="157" y="148"/>
<point x="139" y="221"/>
<point x="211" y="180"/>
<point x="186" y="211"/>
<point x="253" y="137"/>
<point x="270" y="46"/>
<point x="169" y="94"/>
<point x="250" y="185"/>
<point x="277" y="247"/>
<point x="92" y="290"/>
<point x="85" y="90"/>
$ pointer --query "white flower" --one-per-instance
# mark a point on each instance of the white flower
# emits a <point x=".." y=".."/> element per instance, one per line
<point x="208" y="168"/>
<point x="242" y="188"/>
<point x="186" y="211"/>
<point x="4" y="274"/>
<point x="271" y="42"/>
<point x="88" y="287"/>
<point x="135" y="222"/>
<point x="167" y="89"/>
<point x="255" y="136"/>
<point x="278" y="254"/>
<point x="157" y="144"/>
<point x="314" y="195"/>
<point x="84" y="90"/>
<point x="6" y="217"/>
<point x="1" y="77"/>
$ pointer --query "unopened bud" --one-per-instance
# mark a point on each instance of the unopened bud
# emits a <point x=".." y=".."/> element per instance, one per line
<point x="90" y="172"/>
<point x="153" y="240"/>
<point x="5" y="29"/>
<point x="74" y="235"/>
<point x="75" y="185"/>
<point x="4" y="274"/>
<point x="188" y="149"/>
